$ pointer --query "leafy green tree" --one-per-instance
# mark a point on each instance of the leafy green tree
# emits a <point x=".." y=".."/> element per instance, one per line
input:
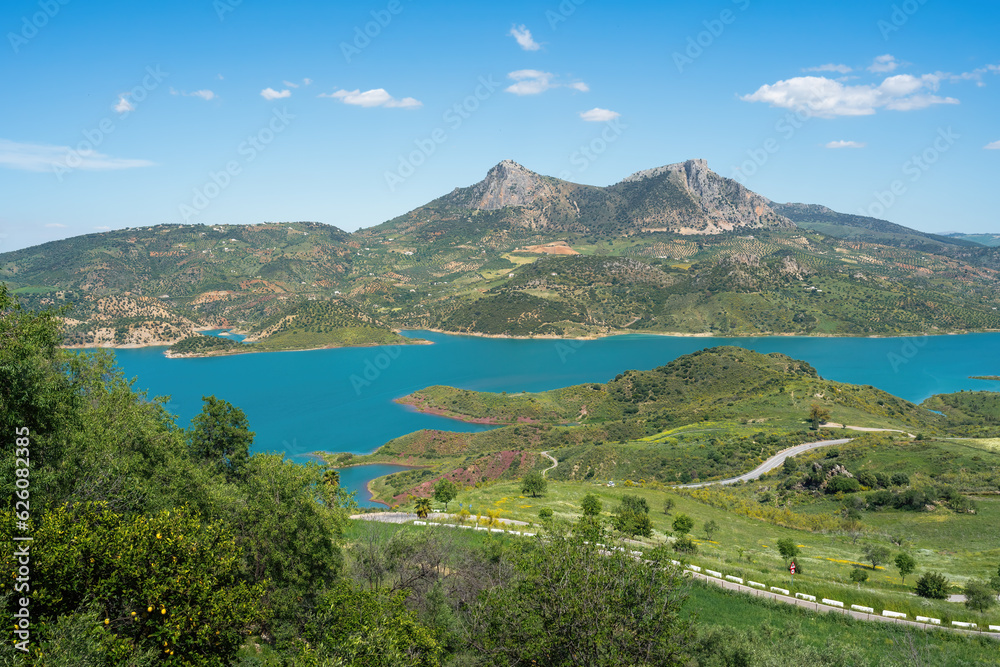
<point x="932" y="585"/>
<point x="668" y="505"/>
<point x="568" y="604"/>
<point x="445" y="491"/>
<point x="534" y="483"/>
<point x="220" y="435"/>
<point x="632" y="516"/>
<point x="995" y="581"/>
<point x="859" y="576"/>
<point x="711" y="528"/>
<point x="289" y="526"/>
<point x="905" y="564"/>
<point x="979" y="596"/>
<point x="168" y="583"/>
<point x="789" y="467"/>
<point x="818" y="415"/>
<point x="590" y="528"/>
<point x="35" y="390"/>
<point x="545" y="513"/>
<point x="591" y="505"/>
<point x="876" y="554"/>
<point x="423" y="507"/>
<point x="683" y="524"/>
<point x="787" y="548"/>
<point x="359" y="627"/>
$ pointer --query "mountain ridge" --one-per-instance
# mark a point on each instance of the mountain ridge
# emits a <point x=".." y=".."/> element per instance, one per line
<point x="673" y="249"/>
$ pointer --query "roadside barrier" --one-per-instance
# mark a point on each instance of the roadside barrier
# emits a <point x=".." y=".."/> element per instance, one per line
<point x="755" y="584"/>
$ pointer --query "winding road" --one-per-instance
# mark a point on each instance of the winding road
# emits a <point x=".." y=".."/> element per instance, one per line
<point x="555" y="463"/>
<point x="769" y="464"/>
<point x="780" y="457"/>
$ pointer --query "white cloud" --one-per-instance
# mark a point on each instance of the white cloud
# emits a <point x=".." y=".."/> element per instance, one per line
<point x="203" y="94"/>
<point x="377" y="97"/>
<point x="272" y="94"/>
<point x="524" y="38"/>
<point x="995" y="146"/>
<point x="307" y="81"/>
<point x="827" y="98"/>
<point x="599" y="115"/>
<point x="290" y="84"/>
<point x="123" y="105"/>
<point x="55" y="225"/>
<point x="830" y="67"/>
<point x="535" y="82"/>
<point x="846" y="144"/>
<point x="884" y="64"/>
<point x="45" y="157"/>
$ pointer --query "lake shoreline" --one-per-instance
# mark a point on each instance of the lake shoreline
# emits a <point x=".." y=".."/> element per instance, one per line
<point x="476" y="334"/>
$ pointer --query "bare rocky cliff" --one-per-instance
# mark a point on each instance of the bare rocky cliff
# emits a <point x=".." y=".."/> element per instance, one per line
<point x="507" y="184"/>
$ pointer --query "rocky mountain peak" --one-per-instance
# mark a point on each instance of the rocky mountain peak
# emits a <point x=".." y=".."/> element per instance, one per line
<point x="692" y="170"/>
<point x="506" y="184"/>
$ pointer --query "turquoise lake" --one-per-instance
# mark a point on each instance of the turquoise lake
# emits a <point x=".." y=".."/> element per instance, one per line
<point x="341" y="400"/>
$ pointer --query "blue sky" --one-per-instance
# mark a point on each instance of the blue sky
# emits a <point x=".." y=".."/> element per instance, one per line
<point x="123" y="114"/>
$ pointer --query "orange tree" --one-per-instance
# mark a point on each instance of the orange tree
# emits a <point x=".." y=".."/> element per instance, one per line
<point x="167" y="584"/>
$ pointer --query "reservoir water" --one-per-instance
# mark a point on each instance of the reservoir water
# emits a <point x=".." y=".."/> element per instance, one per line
<point x="341" y="400"/>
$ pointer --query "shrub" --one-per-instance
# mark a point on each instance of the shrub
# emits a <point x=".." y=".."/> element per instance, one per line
<point x="911" y="499"/>
<point x="899" y="479"/>
<point x="545" y="513"/>
<point x="868" y="479"/>
<point x="979" y="596"/>
<point x="683" y="524"/>
<point x="841" y="484"/>
<point x="932" y="585"/>
<point x="685" y="545"/>
<point x="859" y="575"/>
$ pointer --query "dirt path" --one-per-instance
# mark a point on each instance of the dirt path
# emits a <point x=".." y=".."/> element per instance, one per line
<point x="866" y="429"/>
<point x="555" y="463"/>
